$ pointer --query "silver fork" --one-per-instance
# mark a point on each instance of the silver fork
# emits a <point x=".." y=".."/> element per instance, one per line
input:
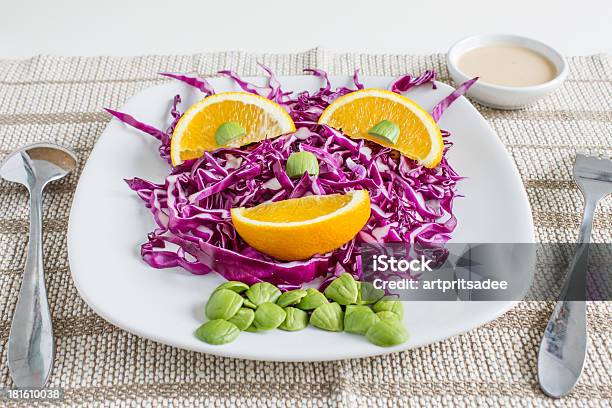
<point x="563" y="348"/>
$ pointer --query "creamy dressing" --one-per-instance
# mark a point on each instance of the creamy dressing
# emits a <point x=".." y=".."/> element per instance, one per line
<point x="507" y="65"/>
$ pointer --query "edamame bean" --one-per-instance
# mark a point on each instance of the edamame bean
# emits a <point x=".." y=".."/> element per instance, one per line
<point x="394" y="306"/>
<point x="387" y="314"/>
<point x="266" y="308"/>
<point x="269" y="316"/>
<point x="342" y="290"/>
<point x="217" y="331"/>
<point x="251" y="328"/>
<point x="387" y="333"/>
<point x="312" y="300"/>
<point x="328" y="316"/>
<point x="236" y="286"/>
<point x="367" y="294"/>
<point x="263" y="292"/>
<point x="358" y="319"/>
<point x="223" y="304"/>
<point x="296" y="319"/>
<point x="247" y="303"/>
<point x="291" y="297"/>
<point x="243" y="318"/>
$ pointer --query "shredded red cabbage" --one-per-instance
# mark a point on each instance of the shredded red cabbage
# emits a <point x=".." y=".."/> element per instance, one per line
<point x="406" y="82"/>
<point x="410" y="203"/>
<point x="439" y="109"/>
<point x="199" y="83"/>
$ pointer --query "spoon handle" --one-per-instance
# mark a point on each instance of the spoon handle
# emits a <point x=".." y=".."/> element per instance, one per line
<point x="30" y="348"/>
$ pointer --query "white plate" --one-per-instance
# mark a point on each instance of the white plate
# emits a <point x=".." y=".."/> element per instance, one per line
<point x="108" y="222"/>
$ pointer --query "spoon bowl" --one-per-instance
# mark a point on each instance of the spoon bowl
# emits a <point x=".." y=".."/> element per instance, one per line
<point x="40" y="162"/>
<point x="30" y="345"/>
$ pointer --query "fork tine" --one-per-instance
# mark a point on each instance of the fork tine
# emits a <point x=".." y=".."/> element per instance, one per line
<point x="593" y="173"/>
<point x="600" y="163"/>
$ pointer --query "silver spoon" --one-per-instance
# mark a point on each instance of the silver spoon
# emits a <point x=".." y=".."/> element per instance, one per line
<point x="30" y="348"/>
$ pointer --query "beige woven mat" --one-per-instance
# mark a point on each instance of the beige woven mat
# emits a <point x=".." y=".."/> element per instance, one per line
<point x="60" y="99"/>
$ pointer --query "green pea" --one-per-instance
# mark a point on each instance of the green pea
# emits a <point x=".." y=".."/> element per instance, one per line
<point x="358" y="319"/>
<point x="243" y="318"/>
<point x="296" y="319"/>
<point x="328" y="316"/>
<point x="247" y="303"/>
<point x="312" y="300"/>
<point x="223" y="304"/>
<point x="217" y="331"/>
<point x="291" y="297"/>
<point x="367" y="294"/>
<point x="394" y="306"/>
<point x="269" y="316"/>
<point x="236" y="286"/>
<point x="387" y="315"/>
<point x="387" y="333"/>
<point x="342" y="290"/>
<point x="263" y="292"/>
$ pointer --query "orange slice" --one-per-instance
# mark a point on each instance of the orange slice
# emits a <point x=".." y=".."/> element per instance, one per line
<point x="259" y="117"/>
<point x="299" y="228"/>
<point x="357" y="112"/>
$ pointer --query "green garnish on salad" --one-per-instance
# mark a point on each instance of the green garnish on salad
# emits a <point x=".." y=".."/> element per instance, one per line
<point x="227" y="132"/>
<point x="386" y="130"/>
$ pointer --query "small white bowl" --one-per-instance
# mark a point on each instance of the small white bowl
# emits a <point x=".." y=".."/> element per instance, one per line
<point x="506" y="97"/>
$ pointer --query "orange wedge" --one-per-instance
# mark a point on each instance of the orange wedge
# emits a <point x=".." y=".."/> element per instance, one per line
<point x="299" y="228"/>
<point x="259" y="117"/>
<point x="357" y="112"/>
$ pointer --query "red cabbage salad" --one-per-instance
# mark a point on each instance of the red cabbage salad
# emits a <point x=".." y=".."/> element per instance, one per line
<point x="191" y="207"/>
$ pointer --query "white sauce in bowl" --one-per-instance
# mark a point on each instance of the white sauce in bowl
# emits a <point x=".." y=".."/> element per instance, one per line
<point x="507" y="65"/>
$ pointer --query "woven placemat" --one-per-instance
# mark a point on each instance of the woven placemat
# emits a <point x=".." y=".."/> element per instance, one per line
<point x="60" y="99"/>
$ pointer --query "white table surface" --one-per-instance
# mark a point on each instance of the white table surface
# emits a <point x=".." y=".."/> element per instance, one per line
<point x="134" y="27"/>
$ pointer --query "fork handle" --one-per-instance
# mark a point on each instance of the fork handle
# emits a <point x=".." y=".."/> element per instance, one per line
<point x="30" y="349"/>
<point x="564" y="345"/>
<point x="584" y="235"/>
